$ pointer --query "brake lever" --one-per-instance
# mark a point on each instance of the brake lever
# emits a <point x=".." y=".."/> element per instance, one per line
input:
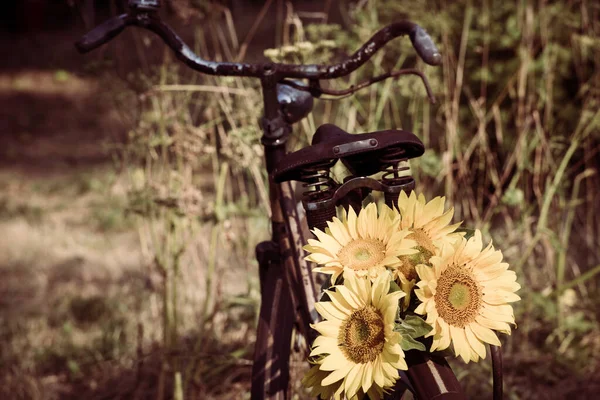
<point x="317" y="90"/>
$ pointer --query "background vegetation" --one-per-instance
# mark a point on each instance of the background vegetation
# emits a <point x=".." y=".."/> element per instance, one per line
<point x="512" y="143"/>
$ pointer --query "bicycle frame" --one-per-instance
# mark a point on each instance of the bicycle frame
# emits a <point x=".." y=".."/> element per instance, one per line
<point x="282" y="266"/>
<point x="283" y="270"/>
<point x="287" y="288"/>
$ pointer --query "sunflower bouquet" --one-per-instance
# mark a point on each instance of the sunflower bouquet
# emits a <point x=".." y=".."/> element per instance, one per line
<point x="398" y="277"/>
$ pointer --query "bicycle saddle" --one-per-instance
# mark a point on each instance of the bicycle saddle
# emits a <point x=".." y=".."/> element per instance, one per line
<point x="330" y="142"/>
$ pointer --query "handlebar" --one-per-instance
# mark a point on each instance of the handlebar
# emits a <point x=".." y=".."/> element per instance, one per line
<point x="103" y="33"/>
<point x="147" y="18"/>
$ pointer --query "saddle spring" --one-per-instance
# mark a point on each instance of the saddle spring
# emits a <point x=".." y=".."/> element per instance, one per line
<point x="317" y="181"/>
<point x="395" y="164"/>
<point x="319" y="186"/>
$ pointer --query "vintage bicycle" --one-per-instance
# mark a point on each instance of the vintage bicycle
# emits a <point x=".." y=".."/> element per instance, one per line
<point x="288" y="289"/>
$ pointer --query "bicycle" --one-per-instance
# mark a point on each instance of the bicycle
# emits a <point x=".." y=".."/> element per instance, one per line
<point x="288" y="290"/>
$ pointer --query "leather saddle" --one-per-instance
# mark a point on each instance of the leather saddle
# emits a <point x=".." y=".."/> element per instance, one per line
<point x="331" y="143"/>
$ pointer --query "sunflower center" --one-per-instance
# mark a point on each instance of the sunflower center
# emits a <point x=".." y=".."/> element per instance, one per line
<point x="458" y="296"/>
<point x="362" y="336"/>
<point x="362" y="253"/>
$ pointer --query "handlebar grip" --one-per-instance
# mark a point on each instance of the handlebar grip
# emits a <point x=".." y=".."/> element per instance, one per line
<point x="425" y="47"/>
<point x="102" y="34"/>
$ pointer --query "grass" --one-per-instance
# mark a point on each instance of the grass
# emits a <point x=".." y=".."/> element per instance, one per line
<point x="141" y="283"/>
<point x="79" y="306"/>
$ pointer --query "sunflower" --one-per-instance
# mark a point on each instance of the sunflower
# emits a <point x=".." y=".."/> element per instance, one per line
<point x="429" y="228"/>
<point x="357" y="347"/>
<point x="313" y="379"/>
<point x="465" y="295"/>
<point x="365" y="244"/>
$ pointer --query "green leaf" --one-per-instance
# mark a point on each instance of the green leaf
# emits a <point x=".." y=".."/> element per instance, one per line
<point x="468" y="232"/>
<point x="408" y="343"/>
<point x="417" y="324"/>
<point x="406" y="330"/>
<point x="394" y="287"/>
<point x="411" y="328"/>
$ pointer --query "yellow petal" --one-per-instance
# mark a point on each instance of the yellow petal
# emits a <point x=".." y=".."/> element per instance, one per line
<point x="492" y="272"/>
<point x="328" y="328"/>
<point x="351" y="223"/>
<point x="496" y="313"/>
<point x="328" y="270"/>
<point x="316" y="246"/>
<point x="493" y="324"/>
<point x="334" y="361"/>
<point x="425" y="273"/>
<point x="503" y="284"/>
<point x="329" y="311"/>
<point x="498" y="297"/>
<point x="358" y="285"/>
<point x="323" y="345"/>
<point x="353" y="380"/>
<point x="445" y="337"/>
<point x="367" y="379"/>
<point x="378" y="372"/>
<point x="351" y="298"/>
<point x="338" y="374"/>
<point x="327" y="241"/>
<point x="319" y="258"/>
<point x="475" y="343"/>
<point x="380" y="288"/>
<point x="484" y="334"/>
<point x="339" y="301"/>
<point x="461" y="346"/>
<point x="420" y="308"/>
<point x="362" y="223"/>
<point x="339" y="231"/>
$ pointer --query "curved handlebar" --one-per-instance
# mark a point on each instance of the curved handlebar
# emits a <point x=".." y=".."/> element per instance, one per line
<point x="103" y="33"/>
<point x="421" y="41"/>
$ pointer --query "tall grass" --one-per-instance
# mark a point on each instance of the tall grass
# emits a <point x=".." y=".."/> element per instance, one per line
<point x="197" y="184"/>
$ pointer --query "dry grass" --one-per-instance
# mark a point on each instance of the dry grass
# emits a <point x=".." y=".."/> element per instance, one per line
<point x="81" y="294"/>
<point x="81" y="303"/>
